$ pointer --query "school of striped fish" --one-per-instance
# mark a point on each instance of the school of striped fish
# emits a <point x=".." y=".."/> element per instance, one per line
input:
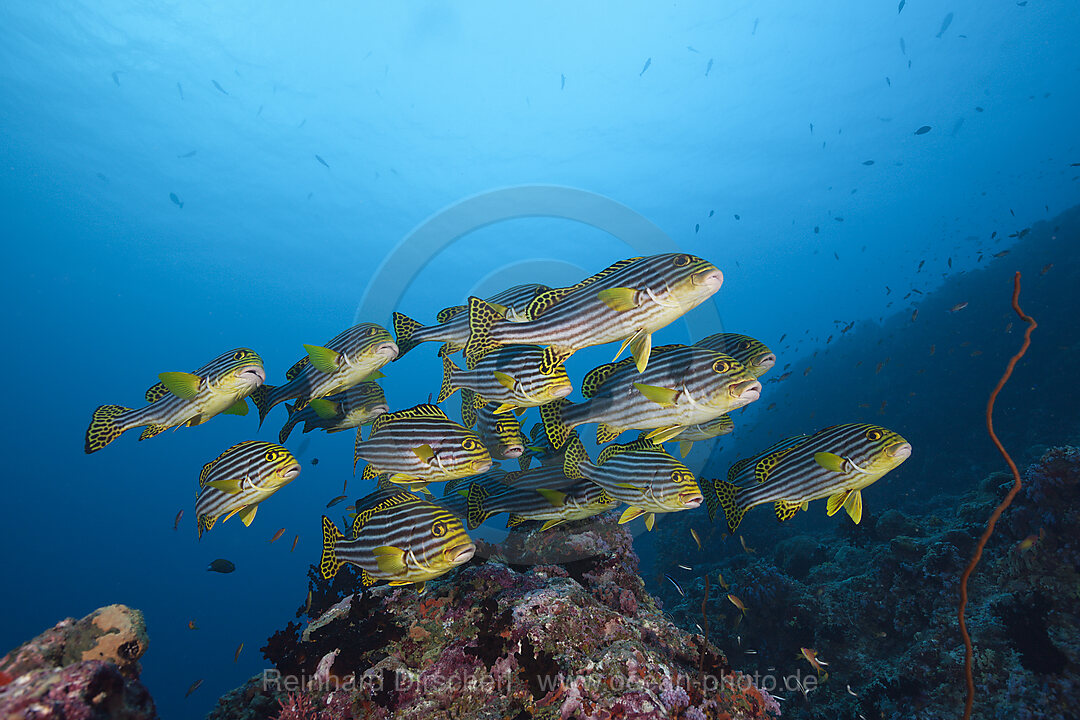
<point x="514" y="347"/>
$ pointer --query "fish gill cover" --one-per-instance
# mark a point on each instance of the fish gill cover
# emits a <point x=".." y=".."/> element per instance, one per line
<point x="205" y="204"/>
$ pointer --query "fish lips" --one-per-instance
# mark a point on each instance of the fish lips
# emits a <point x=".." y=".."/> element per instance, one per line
<point x="379" y="410"/>
<point x="255" y="375"/>
<point x="691" y="500"/>
<point x="746" y="392"/>
<point x="561" y="391"/>
<point x="387" y="349"/>
<point x="711" y="278"/>
<point x="512" y="451"/>
<point x="460" y="554"/>
<point x="765" y="363"/>
<point x="901" y="451"/>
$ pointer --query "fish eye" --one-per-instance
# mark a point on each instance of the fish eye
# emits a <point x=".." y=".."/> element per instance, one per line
<point x="874" y="434"/>
<point x="681" y="260"/>
<point x="721" y="366"/>
<point x="238" y="355"/>
<point x="438" y="528"/>
<point x="745" y="345"/>
<point x="373" y="330"/>
<point x="470" y="444"/>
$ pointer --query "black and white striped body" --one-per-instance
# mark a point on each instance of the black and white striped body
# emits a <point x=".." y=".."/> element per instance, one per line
<point x="253" y="469"/>
<point x="352" y="408"/>
<point x="753" y="354"/>
<point x="400" y="443"/>
<point x="522" y="384"/>
<point x="543" y="494"/>
<point x="500" y="433"/>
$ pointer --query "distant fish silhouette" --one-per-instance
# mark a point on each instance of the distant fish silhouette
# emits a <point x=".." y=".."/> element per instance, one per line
<point x="259" y="111"/>
<point x="180" y="88"/>
<point x="903" y="47"/>
<point x="176" y="200"/>
<point x="221" y="89"/>
<point x="103" y="177"/>
<point x="888" y="81"/>
<point x="691" y="49"/>
<point x="923" y="130"/>
<point x="811" y="128"/>
<point x="116" y="78"/>
<point x="945" y="25"/>
<point x="868" y="162"/>
<point x="647" y="64"/>
<point x="187" y="154"/>
<point x="754" y="31"/>
<point x="302" y="123"/>
<point x="708" y="67"/>
<point x="900" y="7"/>
<point x="562" y="85"/>
<point x="956" y="127"/>
<point x="322" y="162"/>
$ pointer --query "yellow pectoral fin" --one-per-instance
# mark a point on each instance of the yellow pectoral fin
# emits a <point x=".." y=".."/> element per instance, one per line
<point x="853" y="505"/>
<point x="836" y="502"/>
<point x="324" y="359"/>
<point x="556" y="498"/>
<point x="805" y="505"/>
<point x="248" y="514"/>
<point x="619" y="299"/>
<point x="391" y="560"/>
<point x="240" y="407"/>
<point x="659" y="395"/>
<point x="829" y="461"/>
<point x="650" y="520"/>
<point x="641" y="348"/>
<point x="425" y="453"/>
<point x="507" y="381"/>
<point x="326" y="409"/>
<point x="181" y="384"/>
<point x="231" y="486"/>
<point x="630" y="513"/>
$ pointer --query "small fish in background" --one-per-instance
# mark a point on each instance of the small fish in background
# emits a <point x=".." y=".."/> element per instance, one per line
<point x="720" y="578"/>
<point x="647" y="64"/>
<point x="749" y="550"/>
<point x="191" y="625"/>
<point x="294" y="541"/>
<point x="945" y="23"/>
<point x="236" y="655"/>
<point x="307" y="605"/>
<point x="888" y="81"/>
<point x="914" y="314"/>
<point x="116" y="78"/>
<point x="708" y="67"/>
<point x="180" y="89"/>
<point x="754" y="30"/>
<point x="900" y="7"/>
<point x="176" y="200"/>
<point x="697" y="540"/>
<point x="1003" y="253"/>
<point x="672" y="581"/>
<point x="691" y="49"/>
<point x="221" y="565"/>
<point x="1046" y="268"/>
<point x="277" y="535"/>
<point x="811" y="128"/>
<point x="103" y="177"/>
<point x="259" y="111"/>
<point x="903" y="47"/>
<point x="958" y="307"/>
<point x="220" y="89"/>
<point x="811" y="656"/>
<point x="868" y="163"/>
<point x="302" y="123"/>
<point x="335" y="501"/>
<point x="176" y="522"/>
<point x="187" y="155"/>
<point x="562" y="81"/>
<point x="737" y="216"/>
<point x="734" y="599"/>
<point x="194" y="686"/>
<point x="956" y="127"/>
<point x="314" y="461"/>
<point x="923" y="130"/>
<point x="697" y="226"/>
<point x="322" y="162"/>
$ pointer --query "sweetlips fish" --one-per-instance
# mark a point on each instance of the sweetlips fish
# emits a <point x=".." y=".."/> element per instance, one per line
<point x="422" y="444"/>
<point x="398" y="537"/>
<point x="349" y="409"/>
<point x="753" y="354"/>
<point x="513" y="377"/>
<point x="543" y="494"/>
<point x="181" y="398"/>
<point x="702" y="431"/>
<point x="353" y="355"/>
<point x="640" y="474"/>
<point x="453" y="322"/>
<point x="628" y="301"/>
<point x="240" y="478"/>
<point x="836" y="463"/>
<point x="499" y="431"/>
<point x="683" y="385"/>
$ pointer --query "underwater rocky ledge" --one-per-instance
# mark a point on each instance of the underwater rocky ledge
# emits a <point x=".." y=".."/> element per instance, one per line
<point x="581" y="639"/>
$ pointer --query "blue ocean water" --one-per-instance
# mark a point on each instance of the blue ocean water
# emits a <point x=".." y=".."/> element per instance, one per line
<point x="321" y="150"/>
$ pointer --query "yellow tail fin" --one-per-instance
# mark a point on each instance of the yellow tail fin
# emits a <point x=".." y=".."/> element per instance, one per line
<point x="105" y="426"/>
<point x="329" y="563"/>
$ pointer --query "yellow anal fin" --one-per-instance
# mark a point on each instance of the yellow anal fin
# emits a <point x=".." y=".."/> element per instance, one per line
<point x="853" y="505"/>
<point x="836" y="502"/>
<point x="641" y="348"/>
<point x="248" y="514"/>
<point x="630" y="513"/>
<point x="684" y="447"/>
<point x="786" y="509"/>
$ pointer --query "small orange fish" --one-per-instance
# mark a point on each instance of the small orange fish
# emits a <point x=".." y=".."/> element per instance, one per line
<point x="194" y="686"/>
<point x="1031" y="541"/>
<point x="806" y="371"/>
<point x="1003" y="253"/>
<point x="720" y="577"/>
<point x="737" y="603"/>
<point x="1046" y="268"/>
<point x="277" y="535"/>
<point x="191" y="625"/>
<point x="745" y="546"/>
<point x="307" y="607"/>
<point x="976" y="353"/>
<point x="176" y="522"/>
<point x="811" y="657"/>
<point x="335" y="501"/>
<point x="771" y="406"/>
<point x="294" y="541"/>
<point x="236" y="655"/>
<point x="880" y="365"/>
<point x="933" y="349"/>
<point x="693" y="534"/>
<point x="864" y="405"/>
<point x="914" y="314"/>
<point x="958" y="307"/>
<point x="785" y="376"/>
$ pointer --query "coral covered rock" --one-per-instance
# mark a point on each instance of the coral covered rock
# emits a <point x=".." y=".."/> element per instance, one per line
<point x="580" y="640"/>
<point x="80" y="669"/>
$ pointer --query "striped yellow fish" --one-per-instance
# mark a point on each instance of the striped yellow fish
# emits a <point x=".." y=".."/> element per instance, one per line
<point x="352" y="408"/>
<point x="626" y="302"/>
<point x="543" y="494"/>
<point x="691" y="434"/>
<point x="835" y="463"/>
<point x="397" y="537"/>
<point x="683" y="385"/>
<point x="183" y="399"/>
<point x="453" y="322"/>
<point x="511" y="377"/>
<point x="353" y="355"/>
<point x="640" y="474"/>
<point x="500" y="432"/>
<point x="422" y="444"/>
<point x="753" y="354"/>
<point x="241" y="478"/>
